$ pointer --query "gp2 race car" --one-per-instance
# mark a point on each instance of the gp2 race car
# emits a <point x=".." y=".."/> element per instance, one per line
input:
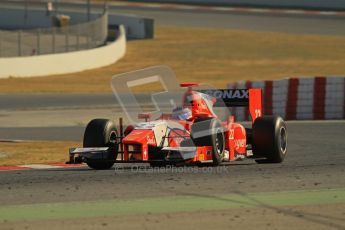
<point x="191" y="134"/>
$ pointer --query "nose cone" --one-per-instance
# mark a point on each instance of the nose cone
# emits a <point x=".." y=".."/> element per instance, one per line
<point x="140" y="136"/>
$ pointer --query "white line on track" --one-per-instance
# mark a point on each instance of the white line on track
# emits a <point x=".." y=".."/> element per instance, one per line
<point x="41" y="166"/>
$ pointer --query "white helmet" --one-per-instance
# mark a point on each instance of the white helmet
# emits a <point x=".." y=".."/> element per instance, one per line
<point x="180" y="113"/>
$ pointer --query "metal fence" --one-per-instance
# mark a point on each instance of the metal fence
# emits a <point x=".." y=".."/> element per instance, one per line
<point x="14" y="43"/>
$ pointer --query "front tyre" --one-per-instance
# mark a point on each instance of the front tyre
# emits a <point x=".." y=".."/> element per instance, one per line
<point x="269" y="139"/>
<point x="209" y="132"/>
<point x="101" y="133"/>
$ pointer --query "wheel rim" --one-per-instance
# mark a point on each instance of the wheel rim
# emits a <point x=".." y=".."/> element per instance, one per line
<point x="113" y="138"/>
<point x="219" y="142"/>
<point x="283" y="140"/>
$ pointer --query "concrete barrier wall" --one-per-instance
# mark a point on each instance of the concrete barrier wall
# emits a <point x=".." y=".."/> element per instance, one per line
<point x="315" y="98"/>
<point x="66" y="62"/>
<point x="309" y="4"/>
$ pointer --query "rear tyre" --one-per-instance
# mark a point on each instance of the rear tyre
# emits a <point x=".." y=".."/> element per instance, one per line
<point x="269" y="139"/>
<point x="101" y="133"/>
<point x="209" y="132"/>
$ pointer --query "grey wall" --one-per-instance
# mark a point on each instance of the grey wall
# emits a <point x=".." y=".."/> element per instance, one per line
<point x="308" y="4"/>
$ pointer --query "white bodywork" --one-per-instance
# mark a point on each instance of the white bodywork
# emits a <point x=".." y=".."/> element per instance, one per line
<point x="161" y="129"/>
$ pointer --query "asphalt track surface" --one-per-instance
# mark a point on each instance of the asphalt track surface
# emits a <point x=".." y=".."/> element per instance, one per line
<point x="315" y="162"/>
<point x="300" y="24"/>
<point x="273" y="22"/>
<point x="39" y="101"/>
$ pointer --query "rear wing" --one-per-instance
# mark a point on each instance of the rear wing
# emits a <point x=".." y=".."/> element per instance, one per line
<point x="251" y="98"/>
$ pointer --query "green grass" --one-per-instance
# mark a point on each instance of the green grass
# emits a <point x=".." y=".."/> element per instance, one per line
<point x="168" y="205"/>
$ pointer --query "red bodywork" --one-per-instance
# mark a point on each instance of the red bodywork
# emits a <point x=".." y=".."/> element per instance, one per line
<point x="138" y="144"/>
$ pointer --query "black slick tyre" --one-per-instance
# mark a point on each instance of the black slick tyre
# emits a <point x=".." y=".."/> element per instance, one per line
<point x="101" y="133"/>
<point x="209" y="132"/>
<point x="269" y="139"/>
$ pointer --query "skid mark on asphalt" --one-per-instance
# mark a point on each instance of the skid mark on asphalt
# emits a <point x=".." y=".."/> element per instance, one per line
<point x="325" y="220"/>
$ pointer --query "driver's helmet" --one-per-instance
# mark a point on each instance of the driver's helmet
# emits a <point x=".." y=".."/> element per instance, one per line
<point x="180" y="113"/>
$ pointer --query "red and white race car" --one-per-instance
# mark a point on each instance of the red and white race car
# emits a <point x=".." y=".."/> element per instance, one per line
<point x="191" y="134"/>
